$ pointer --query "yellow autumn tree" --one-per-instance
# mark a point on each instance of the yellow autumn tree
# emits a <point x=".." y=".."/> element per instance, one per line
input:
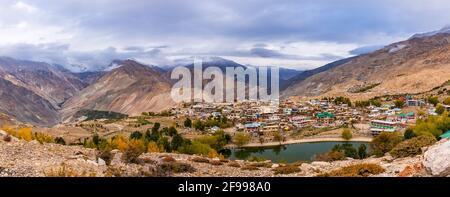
<point x="25" y="134"/>
<point x="152" y="147"/>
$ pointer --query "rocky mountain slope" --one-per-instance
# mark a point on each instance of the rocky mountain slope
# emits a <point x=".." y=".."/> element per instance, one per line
<point x="32" y="92"/>
<point x="412" y="66"/>
<point x="131" y="88"/>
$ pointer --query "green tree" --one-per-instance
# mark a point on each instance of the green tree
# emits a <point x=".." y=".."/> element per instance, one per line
<point x="177" y="141"/>
<point x="362" y="151"/>
<point x="347" y="134"/>
<point x="164" y="142"/>
<point x="188" y="123"/>
<point x="96" y="139"/>
<point x="156" y="126"/>
<point x="399" y="103"/>
<point x="447" y="101"/>
<point x="385" y="142"/>
<point x="434" y="100"/>
<point x="440" y="109"/>
<point x="241" y="139"/>
<point x="172" y="131"/>
<point x="198" y="125"/>
<point x="409" y="133"/>
<point x="136" y="135"/>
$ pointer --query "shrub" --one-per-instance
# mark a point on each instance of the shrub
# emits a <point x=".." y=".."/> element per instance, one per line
<point x="260" y="165"/>
<point x="241" y="139"/>
<point x="152" y="147"/>
<point x="168" y="159"/>
<point x="43" y="138"/>
<point x="440" y="109"/>
<point x="67" y="171"/>
<point x="106" y="155"/>
<point x="177" y="167"/>
<point x="447" y="100"/>
<point x="357" y="170"/>
<point x="25" y="134"/>
<point x="195" y="148"/>
<point x="134" y="149"/>
<point x="385" y="142"/>
<point x="330" y="156"/>
<point x="7" y="138"/>
<point x="409" y="133"/>
<point x="200" y="160"/>
<point x="412" y="146"/>
<point x="249" y="168"/>
<point x="434" y="125"/>
<point x="216" y="163"/>
<point x="256" y="159"/>
<point x="288" y="169"/>
<point x="347" y="134"/>
<point x="234" y="164"/>
<point x="434" y="100"/>
<point x="60" y="140"/>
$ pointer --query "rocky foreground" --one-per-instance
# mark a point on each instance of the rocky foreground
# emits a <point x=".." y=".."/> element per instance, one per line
<point x="31" y="159"/>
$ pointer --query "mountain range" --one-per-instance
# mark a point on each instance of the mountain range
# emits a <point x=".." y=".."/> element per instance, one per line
<point x="44" y="94"/>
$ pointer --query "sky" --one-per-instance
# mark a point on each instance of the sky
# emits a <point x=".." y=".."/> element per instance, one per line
<point x="300" y="34"/>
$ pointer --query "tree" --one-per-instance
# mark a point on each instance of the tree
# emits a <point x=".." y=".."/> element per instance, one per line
<point x="176" y="142"/>
<point x="362" y="151"/>
<point x="277" y="137"/>
<point x="198" y="125"/>
<point x="447" y="101"/>
<point x="172" y="131"/>
<point x="399" y="103"/>
<point x="434" y="100"/>
<point x="188" y="123"/>
<point x="156" y="126"/>
<point x="136" y="135"/>
<point x="347" y="134"/>
<point x="164" y="143"/>
<point x="241" y="139"/>
<point x="440" y="109"/>
<point x="385" y="142"/>
<point x="96" y="139"/>
<point x="409" y="133"/>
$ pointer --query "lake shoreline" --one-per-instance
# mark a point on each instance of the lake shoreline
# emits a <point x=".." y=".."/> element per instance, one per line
<point x="307" y="140"/>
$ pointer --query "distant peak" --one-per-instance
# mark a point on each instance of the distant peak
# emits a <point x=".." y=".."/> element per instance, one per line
<point x="444" y="30"/>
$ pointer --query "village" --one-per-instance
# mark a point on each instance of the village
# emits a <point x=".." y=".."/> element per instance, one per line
<point x="294" y="119"/>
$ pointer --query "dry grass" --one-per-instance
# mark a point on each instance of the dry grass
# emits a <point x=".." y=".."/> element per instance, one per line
<point x="357" y="170"/>
<point x="200" y="160"/>
<point x="288" y="169"/>
<point x="66" y="171"/>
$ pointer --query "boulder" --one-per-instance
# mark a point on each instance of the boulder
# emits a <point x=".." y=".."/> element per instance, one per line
<point x="411" y="170"/>
<point x="101" y="162"/>
<point x="437" y="159"/>
<point x="275" y="166"/>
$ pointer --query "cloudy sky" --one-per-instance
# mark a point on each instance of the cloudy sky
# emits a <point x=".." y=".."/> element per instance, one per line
<point x="300" y="34"/>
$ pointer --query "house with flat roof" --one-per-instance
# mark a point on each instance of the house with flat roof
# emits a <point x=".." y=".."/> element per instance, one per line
<point x="378" y="126"/>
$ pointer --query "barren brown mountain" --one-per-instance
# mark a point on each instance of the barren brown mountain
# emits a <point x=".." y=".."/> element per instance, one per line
<point x="416" y="65"/>
<point x="131" y="89"/>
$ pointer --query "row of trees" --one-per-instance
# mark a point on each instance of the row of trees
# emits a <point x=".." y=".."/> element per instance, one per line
<point x="202" y="125"/>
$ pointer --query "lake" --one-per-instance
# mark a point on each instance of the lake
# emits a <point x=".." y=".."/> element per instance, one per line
<point x="288" y="153"/>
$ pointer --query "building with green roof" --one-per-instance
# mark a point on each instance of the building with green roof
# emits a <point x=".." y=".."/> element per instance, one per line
<point x="445" y="135"/>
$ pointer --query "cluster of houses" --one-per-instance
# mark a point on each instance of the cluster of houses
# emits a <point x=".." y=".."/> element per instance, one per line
<point x="263" y="118"/>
